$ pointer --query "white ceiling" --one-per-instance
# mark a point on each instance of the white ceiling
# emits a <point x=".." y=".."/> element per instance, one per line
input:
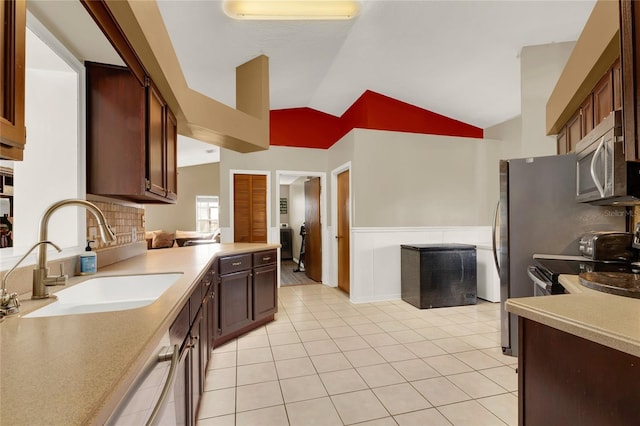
<point x="456" y="58"/>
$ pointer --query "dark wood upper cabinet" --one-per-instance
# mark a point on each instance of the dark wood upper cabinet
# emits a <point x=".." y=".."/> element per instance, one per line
<point x="171" y="183"/>
<point x="561" y="140"/>
<point x="617" y="85"/>
<point x="130" y="146"/>
<point x="574" y="131"/>
<point x="12" y="73"/>
<point x="629" y="45"/>
<point x="586" y="112"/>
<point x="155" y="143"/>
<point x="603" y="98"/>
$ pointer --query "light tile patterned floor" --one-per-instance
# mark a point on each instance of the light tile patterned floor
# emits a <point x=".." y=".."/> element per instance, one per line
<point x="325" y="361"/>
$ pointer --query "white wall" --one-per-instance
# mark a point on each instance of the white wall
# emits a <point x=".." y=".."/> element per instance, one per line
<point x="49" y="172"/>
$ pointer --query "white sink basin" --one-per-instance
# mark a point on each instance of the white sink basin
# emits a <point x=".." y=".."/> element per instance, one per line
<point x="105" y="294"/>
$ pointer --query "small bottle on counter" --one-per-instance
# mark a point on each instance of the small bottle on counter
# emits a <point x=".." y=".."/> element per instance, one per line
<point x="88" y="260"/>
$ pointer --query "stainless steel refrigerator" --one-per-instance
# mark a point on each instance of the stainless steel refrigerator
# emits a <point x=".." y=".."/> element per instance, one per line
<point x="537" y="213"/>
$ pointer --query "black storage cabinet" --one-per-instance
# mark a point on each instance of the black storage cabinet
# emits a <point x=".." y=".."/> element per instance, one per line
<point x="438" y="275"/>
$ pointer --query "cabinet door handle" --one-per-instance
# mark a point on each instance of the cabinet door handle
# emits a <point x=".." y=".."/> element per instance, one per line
<point x="266" y="259"/>
<point x="236" y="264"/>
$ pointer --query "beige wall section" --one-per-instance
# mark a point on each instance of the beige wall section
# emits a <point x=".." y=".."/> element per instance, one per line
<point x="510" y="133"/>
<point x="423" y="180"/>
<point x="540" y="68"/>
<point x="203" y="179"/>
<point x="276" y="158"/>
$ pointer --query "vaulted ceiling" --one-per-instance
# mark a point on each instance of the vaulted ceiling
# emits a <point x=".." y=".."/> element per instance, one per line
<point x="456" y="58"/>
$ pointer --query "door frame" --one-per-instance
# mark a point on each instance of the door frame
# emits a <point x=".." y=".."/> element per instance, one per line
<point x="266" y="173"/>
<point x="323" y="218"/>
<point x="334" y="222"/>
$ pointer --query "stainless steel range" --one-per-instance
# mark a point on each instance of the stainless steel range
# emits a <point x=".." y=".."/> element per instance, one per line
<point x="545" y="270"/>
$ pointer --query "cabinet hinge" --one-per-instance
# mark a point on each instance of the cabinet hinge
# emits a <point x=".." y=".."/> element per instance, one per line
<point x="147" y="184"/>
<point x="147" y="81"/>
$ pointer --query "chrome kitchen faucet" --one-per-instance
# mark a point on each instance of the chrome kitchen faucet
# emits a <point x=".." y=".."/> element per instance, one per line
<point x="41" y="278"/>
<point x="9" y="302"/>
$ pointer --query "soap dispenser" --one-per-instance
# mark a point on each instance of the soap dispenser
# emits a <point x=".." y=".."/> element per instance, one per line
<point x="88" y="260"/>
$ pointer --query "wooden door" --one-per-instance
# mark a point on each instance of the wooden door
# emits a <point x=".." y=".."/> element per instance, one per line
<point x="313" y="240"/>
<point x="249" y="208"/>
<point x="259" y="209"/>
<point x="343" y="236"/>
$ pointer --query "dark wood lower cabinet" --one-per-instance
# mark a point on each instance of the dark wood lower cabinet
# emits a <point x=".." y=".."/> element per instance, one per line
<point x="265" y="296"/>
<point x="567" y="380"/>
<point x="247" y="296"/>
<point x="234" y="298"/>
<point x="222" y="307"/>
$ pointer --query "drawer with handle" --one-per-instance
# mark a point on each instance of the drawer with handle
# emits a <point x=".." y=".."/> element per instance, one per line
<point x="236" y="263"/>
<point x="266" y="257"/>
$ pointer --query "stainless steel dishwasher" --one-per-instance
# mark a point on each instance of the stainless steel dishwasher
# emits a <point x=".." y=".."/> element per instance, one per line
<point x="150" y="399"/>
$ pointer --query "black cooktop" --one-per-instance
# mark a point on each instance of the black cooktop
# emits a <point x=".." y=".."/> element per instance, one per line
<point x="552" y="268"/>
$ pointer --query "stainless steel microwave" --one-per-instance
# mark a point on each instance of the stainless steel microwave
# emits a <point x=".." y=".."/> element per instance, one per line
<point x="603" y="176"/>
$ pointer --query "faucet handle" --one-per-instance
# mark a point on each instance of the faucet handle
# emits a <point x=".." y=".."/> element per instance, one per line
<point x="10" y="304"/>
<point x="61" y="268"/>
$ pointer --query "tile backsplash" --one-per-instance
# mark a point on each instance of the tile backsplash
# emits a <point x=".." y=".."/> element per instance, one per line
<point x="127" y="222"/>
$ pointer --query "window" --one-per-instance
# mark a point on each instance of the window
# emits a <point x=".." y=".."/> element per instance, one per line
<point x="206" y="213"/>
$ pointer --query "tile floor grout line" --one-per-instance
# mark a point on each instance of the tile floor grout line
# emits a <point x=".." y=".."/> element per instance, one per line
<point x="396" y="313"/>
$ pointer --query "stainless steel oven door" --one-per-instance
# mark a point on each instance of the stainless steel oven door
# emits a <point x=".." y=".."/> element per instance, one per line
<point x="150" y="400"/>
<point x="541" y="287"/>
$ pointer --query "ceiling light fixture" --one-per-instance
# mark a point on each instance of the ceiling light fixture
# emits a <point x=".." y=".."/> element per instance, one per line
<point x="291" y="9"/>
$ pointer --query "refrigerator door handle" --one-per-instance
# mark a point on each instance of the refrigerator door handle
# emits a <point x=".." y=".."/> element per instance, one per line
<point x="494" y="237"/>
<point x="594" y="176"/>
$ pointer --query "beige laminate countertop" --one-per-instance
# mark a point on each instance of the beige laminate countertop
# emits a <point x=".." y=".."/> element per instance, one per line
<point x="74" y="369"/>
<point x="607" y="319"/>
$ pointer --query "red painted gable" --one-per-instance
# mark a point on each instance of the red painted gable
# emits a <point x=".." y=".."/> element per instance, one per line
<point x="309" y="128"/>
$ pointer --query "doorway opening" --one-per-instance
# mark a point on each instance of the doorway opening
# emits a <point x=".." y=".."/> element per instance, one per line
<point x="302" y="224"/>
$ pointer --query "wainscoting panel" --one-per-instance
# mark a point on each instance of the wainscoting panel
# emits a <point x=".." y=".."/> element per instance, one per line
<point x="376" y="255"/>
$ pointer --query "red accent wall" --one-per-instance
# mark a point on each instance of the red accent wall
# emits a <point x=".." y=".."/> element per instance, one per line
<point x="304" y="127"/>
<point x="309" y="128"/>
